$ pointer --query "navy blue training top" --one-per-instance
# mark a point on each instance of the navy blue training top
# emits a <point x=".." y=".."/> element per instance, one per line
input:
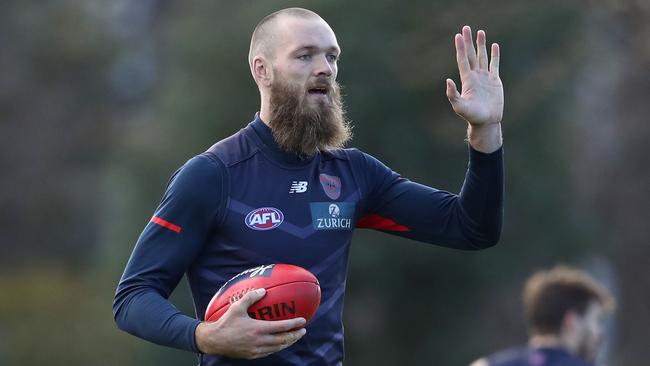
<point x="245" y="203"/>
<point x="529" y="356"/>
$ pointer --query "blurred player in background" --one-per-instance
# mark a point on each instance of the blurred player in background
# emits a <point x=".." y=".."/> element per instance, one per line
<point x="565" y="311"/>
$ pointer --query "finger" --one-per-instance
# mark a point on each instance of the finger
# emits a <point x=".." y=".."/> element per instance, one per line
<point x="469" y="47"/>
<point x="264" y="351"/>
<point x="241" y="306"/>
<point x="282" y="340"/>
<point x="461" y="57"/>
<point x="280" y="326"/>
<point x="481" y="50"/>
<point x="452" y="91"/>
<point x="494" y="59"/>
<point x="277" y="343"/>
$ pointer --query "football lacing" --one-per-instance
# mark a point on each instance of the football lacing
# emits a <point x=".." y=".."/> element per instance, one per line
<point x="238" y="295"/>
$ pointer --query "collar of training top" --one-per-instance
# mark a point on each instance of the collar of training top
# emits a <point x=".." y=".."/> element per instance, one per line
<point x="271" y="147"/>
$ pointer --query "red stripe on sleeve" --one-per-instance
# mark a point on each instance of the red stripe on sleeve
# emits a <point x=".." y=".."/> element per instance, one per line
<point x="165" y="223"/>
<point x="374" y="221"/>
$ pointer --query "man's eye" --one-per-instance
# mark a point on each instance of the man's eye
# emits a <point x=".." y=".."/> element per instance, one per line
<point x="332" y="58"/>
<point x="304" y="57"/>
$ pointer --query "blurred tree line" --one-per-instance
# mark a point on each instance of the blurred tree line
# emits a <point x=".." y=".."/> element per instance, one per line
<point x="101" y="101"/>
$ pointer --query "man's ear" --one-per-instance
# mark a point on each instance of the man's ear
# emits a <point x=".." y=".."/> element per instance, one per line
<point x="569" y="321"/>
<point x="262" y="71"/>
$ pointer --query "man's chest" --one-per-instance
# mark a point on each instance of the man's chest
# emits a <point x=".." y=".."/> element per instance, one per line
<point x="304" y="212"/>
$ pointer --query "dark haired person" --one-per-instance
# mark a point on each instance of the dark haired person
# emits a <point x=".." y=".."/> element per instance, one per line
<point x="565" y="311"/>
<point x="283" y="190"/>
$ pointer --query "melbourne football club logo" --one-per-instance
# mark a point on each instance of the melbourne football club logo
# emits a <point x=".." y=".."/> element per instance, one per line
<point x="332" y="216"/>
<point x="265" y="218"/>
<point x="331" y="185"/>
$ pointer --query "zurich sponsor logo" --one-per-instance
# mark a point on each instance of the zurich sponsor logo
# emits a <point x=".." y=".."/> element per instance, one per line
<point x="334" y="210"/>
<point x="265" y="218"/>
<point x="332" y="215"/>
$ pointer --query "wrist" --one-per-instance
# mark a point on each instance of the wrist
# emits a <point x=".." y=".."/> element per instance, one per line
<point x="200" y="338"/>
<point x="485" y="138"/>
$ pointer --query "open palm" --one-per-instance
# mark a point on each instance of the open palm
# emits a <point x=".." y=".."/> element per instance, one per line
<point x="481" y="100"/>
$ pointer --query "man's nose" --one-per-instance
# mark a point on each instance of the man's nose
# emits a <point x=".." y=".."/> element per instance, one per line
<point x="323" y="67"/>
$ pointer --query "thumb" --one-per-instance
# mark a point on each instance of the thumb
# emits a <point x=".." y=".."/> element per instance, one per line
<point x="249" y="299"/>
<point x="452" y="91"/>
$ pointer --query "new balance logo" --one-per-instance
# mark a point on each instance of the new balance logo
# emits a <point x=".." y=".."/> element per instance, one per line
<point x="298" y="186"/>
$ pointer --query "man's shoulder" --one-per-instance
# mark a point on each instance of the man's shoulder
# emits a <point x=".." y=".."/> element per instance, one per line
<point x="341" y="154"/>
<point x="358" y="160"/>
<point x="199" y="169"/>
<point x="525" y="356"/>
<point x="509" y="357"/>
<point x="506" y="357"/>
<point x="353" y="154"/>
<point x="232" y="149"/>
<point x="365" y="162"/>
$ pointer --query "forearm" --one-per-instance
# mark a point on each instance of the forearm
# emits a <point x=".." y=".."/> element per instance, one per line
<point x="485" y="138"/>
<point x="481" y="196"/>
<point x="146" y="314"/>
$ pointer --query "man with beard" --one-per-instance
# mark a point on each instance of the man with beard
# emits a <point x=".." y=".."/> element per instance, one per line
<point x="565" y="310"/>
<point x="283" y="190"/>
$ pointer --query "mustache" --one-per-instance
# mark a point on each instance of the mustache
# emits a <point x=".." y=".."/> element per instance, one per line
<point x="322" y="82"/>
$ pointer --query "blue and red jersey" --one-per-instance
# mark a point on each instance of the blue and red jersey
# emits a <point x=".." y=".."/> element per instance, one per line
<point x="245" y="203"/>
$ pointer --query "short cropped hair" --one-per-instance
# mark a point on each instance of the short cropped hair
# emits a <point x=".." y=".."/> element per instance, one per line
<point x="549" y="295"/>
<point x="262" y="39"/>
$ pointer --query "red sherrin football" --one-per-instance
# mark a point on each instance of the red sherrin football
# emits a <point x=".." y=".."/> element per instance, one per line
<point x="291" y="292"/>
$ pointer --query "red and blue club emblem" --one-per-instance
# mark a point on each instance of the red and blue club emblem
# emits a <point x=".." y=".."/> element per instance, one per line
<point x="331" y="185"/>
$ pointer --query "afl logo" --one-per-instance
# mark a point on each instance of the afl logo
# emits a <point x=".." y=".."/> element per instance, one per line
<point x="265" y="218"/>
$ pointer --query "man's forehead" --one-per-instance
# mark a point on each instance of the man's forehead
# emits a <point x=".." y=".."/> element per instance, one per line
<point x="294" y="33"/>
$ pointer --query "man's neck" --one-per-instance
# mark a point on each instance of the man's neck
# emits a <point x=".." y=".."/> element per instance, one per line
<point x="265" y="110"/>
<point x="545" y="341"/>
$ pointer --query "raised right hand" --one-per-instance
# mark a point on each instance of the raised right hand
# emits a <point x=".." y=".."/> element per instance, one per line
<point x="238" y="335"/>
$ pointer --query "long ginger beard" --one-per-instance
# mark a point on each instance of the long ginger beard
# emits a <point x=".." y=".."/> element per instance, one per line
<point x="302" y="126"/>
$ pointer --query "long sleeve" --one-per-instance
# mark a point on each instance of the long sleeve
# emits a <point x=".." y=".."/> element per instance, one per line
<point x="166" y="248"/>
<point x="469" y="220"/>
